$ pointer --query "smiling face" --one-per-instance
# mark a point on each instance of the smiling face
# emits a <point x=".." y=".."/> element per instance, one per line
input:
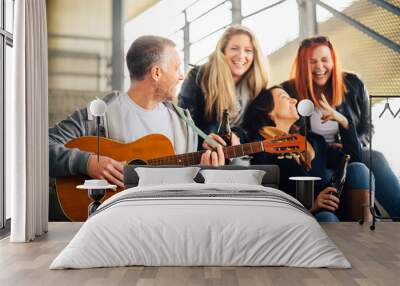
<point x="321" y="64"/>
<point x="239" y="54"/>
<point x="284" y="107"/>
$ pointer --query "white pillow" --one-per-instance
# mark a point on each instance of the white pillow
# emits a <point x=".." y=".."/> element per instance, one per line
<point x="249" y="177"/>
<point x="163" y="176"/>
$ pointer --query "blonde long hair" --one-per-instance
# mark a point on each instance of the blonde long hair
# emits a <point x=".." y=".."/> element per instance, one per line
<point x="217" y="81"/>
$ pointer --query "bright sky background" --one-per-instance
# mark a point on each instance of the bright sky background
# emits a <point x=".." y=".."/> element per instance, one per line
<point x="386" y="136"/>
<point x="273" y="27"/>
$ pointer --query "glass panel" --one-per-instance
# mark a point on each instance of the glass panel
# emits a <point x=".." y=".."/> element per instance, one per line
<point x="9" y="15"/>
<point x="177" y="22"/>
<point x="8" y="75"/>
<point x="339" y="5"/>
<point x="178" y="39"/>
<point x="217" y="18"/>
<point x="384" y="123"/>
<point x="251" y="6"/>
<point x="200" y="51"/>
<point x="201" y="7"/>
<point x="264" y="25"/>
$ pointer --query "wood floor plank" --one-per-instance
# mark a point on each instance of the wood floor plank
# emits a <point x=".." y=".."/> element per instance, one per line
<point x="374" y="255"/>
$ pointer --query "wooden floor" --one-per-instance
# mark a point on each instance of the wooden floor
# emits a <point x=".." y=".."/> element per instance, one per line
<point x="374" y="255"/>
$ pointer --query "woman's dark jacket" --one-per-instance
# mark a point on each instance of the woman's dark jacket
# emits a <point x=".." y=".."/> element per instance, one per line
<point x="356" y="99"/>
<point x="192" y="97"/>
<point x="326" y="157"/>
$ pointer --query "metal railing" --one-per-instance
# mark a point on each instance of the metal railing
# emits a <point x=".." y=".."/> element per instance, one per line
<point x="363" y="28"/>
<point x="237" y="17"/>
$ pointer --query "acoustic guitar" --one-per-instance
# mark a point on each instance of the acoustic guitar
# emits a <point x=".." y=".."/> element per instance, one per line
<point x="154" y="149"/>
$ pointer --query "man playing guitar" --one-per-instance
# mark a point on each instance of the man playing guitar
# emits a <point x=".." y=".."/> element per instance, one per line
<point x="154" y="68"/>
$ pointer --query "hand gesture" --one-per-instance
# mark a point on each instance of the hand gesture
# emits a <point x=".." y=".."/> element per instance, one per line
<point x="106" y="169"/>
<point x="329" y="113"/>
<point x="326" y="200"/>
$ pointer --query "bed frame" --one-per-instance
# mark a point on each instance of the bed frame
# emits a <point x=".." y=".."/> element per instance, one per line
<point x="270" y="179"/>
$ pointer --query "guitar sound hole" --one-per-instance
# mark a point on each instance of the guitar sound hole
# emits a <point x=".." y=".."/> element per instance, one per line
<point x="137" y="162"/>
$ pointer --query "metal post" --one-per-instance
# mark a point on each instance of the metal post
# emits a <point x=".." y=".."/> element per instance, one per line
<point x="117" y="77"/>
<point x="371" y="206"/>
<point x="236" y="11"/>
<point x="2" y="118"/>
<point x="307" y="19"/>
<point x="186" y="43"/>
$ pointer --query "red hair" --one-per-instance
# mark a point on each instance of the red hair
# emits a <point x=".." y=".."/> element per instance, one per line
<point x="302" y="75"/>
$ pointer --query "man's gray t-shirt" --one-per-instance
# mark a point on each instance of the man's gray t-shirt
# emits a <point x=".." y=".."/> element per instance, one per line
<point x="128" y="121"/>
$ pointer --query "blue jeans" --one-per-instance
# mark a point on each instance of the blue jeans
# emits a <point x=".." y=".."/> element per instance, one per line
<point x="357" y="177"/>
<point x="387" y="188"/>
<point x="326" y="216"/>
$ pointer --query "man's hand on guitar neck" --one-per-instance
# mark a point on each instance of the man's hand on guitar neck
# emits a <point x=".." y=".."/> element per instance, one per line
<point x="213" y="158"/>
<point x="235" y="140"/>
<point x="106" y="169"/>
<point x="216" y="158"/>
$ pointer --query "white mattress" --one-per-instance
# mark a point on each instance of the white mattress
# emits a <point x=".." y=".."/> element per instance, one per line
<point x="184" y="230"/>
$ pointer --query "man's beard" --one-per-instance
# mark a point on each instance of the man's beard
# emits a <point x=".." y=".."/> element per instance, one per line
<point x="169" y="95"/>
<point x="166" y="95"/>
<point x="160" y="94"/>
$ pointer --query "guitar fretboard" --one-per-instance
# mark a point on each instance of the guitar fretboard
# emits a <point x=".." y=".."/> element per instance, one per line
<point x="195" y="157"/>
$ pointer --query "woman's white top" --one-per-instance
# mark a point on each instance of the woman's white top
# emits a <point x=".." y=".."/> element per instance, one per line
<point x="328" y="130"/>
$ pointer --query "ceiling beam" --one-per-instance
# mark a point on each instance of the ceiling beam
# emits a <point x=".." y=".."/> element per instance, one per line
<point x="135" y="8"/>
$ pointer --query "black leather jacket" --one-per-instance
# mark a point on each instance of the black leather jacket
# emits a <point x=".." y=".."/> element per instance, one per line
<point x="356" y="101"/>
<point x="192" y="98"/>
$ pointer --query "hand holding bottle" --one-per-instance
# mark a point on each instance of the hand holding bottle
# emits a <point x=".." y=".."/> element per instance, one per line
<point x="326" y="200"/>
<point x="338" y="178"/>
<point x="224" y="129"/>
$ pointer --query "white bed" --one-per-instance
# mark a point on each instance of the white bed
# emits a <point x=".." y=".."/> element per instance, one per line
<point x="201" y="224"/>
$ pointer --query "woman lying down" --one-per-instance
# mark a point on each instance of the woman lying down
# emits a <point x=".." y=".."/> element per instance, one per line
<point x="274" y="113"/>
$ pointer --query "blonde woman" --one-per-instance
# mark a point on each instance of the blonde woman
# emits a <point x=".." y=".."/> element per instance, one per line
<point x="233" y="76"/>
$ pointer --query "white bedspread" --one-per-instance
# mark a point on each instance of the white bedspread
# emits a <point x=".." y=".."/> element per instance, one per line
<point x="201" y="230"/>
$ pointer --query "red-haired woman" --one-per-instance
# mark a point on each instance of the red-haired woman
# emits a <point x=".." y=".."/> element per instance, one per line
<point x="317" y="75"/>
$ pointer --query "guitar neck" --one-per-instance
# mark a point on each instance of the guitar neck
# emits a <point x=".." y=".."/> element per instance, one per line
<point x="194" y="158"/>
